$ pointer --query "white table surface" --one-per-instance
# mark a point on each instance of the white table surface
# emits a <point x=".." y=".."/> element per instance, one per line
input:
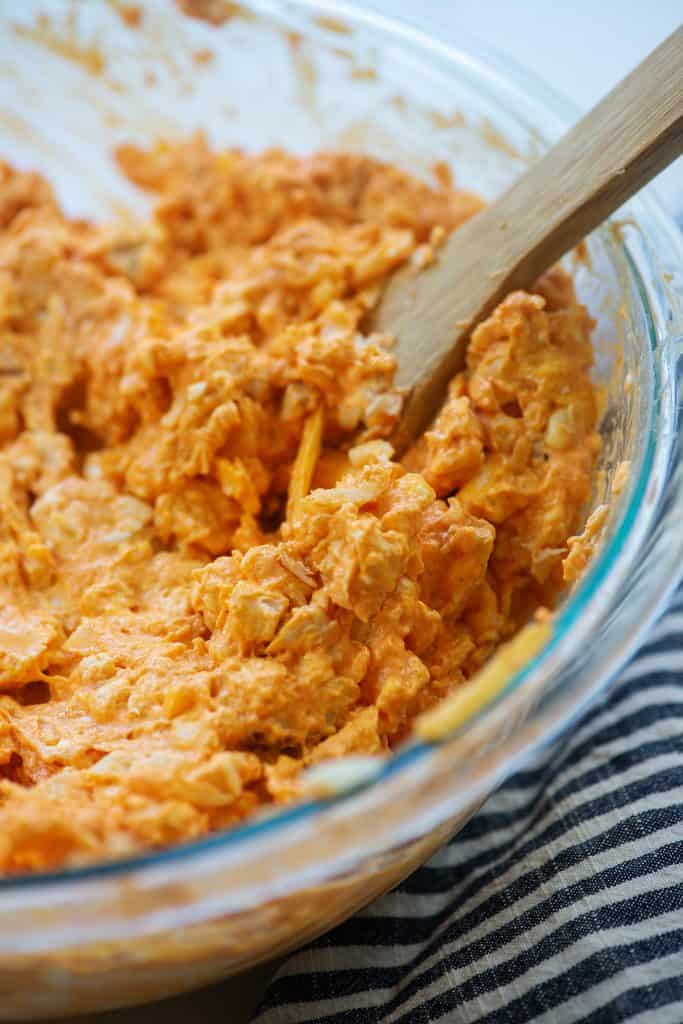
<point x="582" y="49"/>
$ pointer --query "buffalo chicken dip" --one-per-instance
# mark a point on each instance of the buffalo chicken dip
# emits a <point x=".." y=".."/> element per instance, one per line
<point x="214" y="573"/>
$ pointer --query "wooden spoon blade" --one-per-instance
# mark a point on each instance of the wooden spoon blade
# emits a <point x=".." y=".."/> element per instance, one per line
<point x="634" y="133"/>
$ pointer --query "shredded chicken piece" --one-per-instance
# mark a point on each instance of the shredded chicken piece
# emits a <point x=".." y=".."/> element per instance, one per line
<point x="582" y="548"/>
<point x="213" y="571"/>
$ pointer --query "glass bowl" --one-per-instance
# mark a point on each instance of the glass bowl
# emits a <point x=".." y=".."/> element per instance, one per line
<point x="78" y="78"/>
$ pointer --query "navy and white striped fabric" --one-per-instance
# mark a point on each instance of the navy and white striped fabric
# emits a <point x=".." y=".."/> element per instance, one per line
<point x="561" y="901"/>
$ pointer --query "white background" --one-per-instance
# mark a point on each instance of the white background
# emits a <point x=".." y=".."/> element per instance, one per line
<point x="581" y="48"/>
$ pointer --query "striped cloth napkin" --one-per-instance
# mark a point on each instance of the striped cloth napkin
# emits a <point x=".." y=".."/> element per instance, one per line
<point x="561" y="901"/>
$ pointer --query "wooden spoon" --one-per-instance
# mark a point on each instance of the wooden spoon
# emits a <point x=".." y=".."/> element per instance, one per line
<point x="634" y="133"/>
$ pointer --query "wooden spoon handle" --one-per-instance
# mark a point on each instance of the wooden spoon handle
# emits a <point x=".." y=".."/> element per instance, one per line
<point x="610" y="154"/>
<point x="614" y="151"/>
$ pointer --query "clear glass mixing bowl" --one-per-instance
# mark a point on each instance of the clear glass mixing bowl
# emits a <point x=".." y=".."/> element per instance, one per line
<point x="306" y="75"/>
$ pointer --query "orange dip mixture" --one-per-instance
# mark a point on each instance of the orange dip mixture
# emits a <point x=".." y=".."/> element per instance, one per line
<point x="212" y="571"/>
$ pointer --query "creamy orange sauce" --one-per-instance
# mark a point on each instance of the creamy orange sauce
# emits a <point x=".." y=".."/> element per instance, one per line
<point x="214" y="12"/>
<point x="62" y="40"/>
<point x="213" y="573"/>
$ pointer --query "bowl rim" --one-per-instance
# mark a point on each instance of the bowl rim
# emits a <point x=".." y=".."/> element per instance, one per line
<point x="633" y="521"/>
